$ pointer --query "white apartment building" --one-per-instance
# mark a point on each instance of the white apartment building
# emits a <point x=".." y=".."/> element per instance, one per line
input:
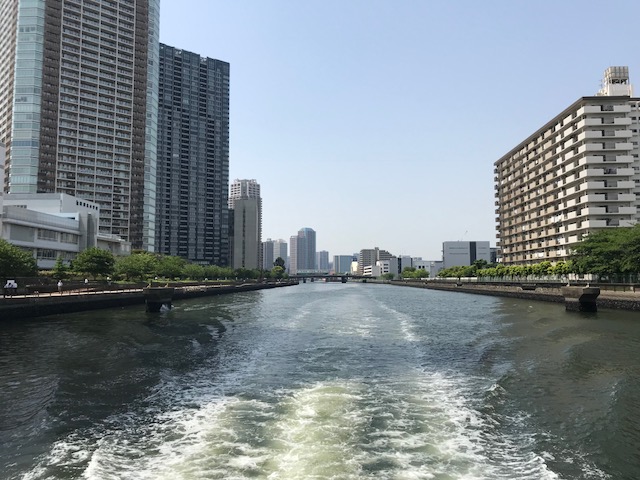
<point x="578" y="173"/>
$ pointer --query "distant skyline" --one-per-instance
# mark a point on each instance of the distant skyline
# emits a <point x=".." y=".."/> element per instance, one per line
<point x="377" y="123"/>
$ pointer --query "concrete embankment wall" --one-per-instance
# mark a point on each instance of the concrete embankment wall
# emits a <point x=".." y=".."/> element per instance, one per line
<point x="38" y="306"/>
<point x="27" y="306"/>
<point x="607" y="299"/>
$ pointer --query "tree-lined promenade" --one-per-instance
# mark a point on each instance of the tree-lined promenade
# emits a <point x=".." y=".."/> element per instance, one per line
<point x="96" y="263"/>
<point x="609" y="254"/>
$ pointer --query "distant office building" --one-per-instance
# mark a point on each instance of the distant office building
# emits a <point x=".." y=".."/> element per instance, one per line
<point x="246" y="204"/>
<point x="420" y="264"/>
<point x="247" y="247"/>
<point x="322" y="261"/>
<point x="303" y="251"/>
<point x="434" y="267"/>
<point x="578" y="173"/>
<point x="78" y="106"/>
<point x="54" y="225"/>
<point x="369" y="256"/>
<point x="463" y="254"/>
<point x="404" y="261"/>
<point x="267" y="254"/>
<point x="293" y="254"/>
<point x="193" y="157"/>
<point x="280" y="249"/>
<point x="342" y="263"/>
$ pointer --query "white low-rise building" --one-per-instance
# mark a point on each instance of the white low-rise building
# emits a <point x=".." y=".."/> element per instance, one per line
<point x="52" y="225"/>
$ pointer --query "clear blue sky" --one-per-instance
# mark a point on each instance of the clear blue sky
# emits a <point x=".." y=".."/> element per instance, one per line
<point x="377" y="123"/>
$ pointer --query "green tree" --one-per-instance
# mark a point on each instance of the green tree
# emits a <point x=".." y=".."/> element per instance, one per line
<point x="608" y="252"/>
<point x="421" y="273"/>
<point x="169" y="266"/>
<point x="407" y="272"/>
<point x="246" y="273"/>
<point x="561" y="268"/>
<point x="600" y="253"/>
<point x="279" y="262"/>
<point x="60" y="270"/>
<point x="542" y="268"/>
<point x="94" y="262"/>
<point x="388" y="276"/>
<point x="277" y="272"/>
<point x="15" y="262"/>
<point x="193" y="272"/>
<point x="480" y="264"/>
<point x="137" y="266"/>
<point x="214" y="271"/>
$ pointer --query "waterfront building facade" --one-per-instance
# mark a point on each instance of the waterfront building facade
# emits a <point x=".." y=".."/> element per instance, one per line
<point x="578" y="173"/>
<point x="245" y="204"/>
<point x="463" y="253"/>
<point x="193" y="157"/>
<point x="78" y="106"/>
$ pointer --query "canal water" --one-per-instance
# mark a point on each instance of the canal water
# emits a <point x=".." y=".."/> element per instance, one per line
<point x="323" y="381"/>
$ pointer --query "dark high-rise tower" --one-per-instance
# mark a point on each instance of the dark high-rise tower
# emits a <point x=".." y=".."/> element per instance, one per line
<point x="193" y="157"/>
<point x="78" y="105"/>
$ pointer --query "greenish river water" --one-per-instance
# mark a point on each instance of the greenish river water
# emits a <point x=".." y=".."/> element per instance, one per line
<point x="323" y="381"/>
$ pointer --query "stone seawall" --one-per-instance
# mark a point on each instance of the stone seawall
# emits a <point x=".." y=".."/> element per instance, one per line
<point x="607" y="299"/>
<point x="38" y="305"/>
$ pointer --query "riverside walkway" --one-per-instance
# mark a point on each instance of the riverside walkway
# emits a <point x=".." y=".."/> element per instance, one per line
<point x="616" y="296"/>
<point x="37" y="304"/>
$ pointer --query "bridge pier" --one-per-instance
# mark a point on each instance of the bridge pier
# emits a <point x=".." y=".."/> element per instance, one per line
<point x="156" y="297"/>
<point x="580" y="299"/>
